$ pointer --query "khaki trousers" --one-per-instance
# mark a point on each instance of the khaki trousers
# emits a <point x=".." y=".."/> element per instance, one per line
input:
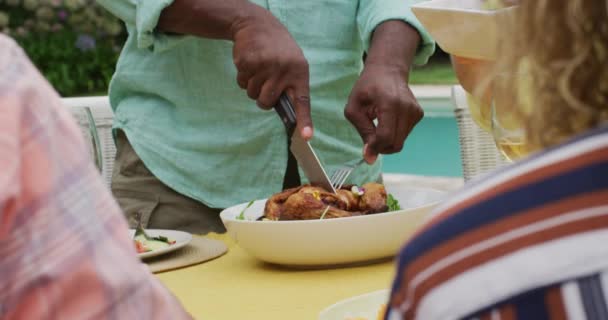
<point x="138" y="190"/>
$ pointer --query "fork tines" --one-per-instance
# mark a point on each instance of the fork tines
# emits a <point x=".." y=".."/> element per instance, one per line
<point x="341" y="174"/>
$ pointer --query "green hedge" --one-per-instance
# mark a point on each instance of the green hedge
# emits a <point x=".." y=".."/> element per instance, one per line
<point x="75" y="43"/>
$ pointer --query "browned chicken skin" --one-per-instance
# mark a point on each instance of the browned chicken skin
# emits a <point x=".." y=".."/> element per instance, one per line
<point x="309" y="202"/>
<point x="374" y="198"/>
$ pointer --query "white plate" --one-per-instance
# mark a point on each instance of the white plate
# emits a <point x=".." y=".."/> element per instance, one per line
<point x="462" y="27"/>
<point x="181" y="239"/>
<point x="332" y="241"/>
<point x="364" y="306"/>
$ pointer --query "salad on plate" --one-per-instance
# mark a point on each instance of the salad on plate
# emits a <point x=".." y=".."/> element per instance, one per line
<point x="145" y="244"/>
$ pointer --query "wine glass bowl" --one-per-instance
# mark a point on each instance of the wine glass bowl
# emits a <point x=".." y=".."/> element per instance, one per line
<point x="506" y="123"/>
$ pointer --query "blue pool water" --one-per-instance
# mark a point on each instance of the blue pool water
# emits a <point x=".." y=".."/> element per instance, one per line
<point x="433" y="147"/>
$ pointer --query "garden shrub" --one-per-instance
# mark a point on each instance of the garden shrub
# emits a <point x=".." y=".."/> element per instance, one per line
<point x="75" y="43"/>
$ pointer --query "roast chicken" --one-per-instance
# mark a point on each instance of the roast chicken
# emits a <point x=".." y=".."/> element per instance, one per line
<point x="309" y="202"/>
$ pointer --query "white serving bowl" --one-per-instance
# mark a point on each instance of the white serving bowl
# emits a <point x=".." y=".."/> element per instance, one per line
<point x="462" y="27"/>
<point x="331" y="241"/>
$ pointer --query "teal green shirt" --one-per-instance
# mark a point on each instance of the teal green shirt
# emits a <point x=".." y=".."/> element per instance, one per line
<point x="177" y="99"/>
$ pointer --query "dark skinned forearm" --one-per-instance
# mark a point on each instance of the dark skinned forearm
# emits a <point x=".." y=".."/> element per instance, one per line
<point x="394" y="44"/>
<point x="262" y="70"/>
<point x="207" y="18"/>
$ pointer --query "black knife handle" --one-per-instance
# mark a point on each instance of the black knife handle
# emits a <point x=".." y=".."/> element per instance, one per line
<point x="287" y="114"/>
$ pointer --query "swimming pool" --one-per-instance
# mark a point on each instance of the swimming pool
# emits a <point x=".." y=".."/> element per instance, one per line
<point x="433" y="147"/>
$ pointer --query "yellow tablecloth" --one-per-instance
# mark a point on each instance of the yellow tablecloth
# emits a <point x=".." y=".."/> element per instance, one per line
<point x="237" y="286"/>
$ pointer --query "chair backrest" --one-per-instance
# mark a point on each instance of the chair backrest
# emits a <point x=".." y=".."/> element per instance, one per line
<point x="477" y="148"/>
<point x="94" y="116"/>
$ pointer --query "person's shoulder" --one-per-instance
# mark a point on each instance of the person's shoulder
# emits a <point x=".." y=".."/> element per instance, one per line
<point x="9" y="50"/>
<point x="7" y="43"/>
<point x="13" y="61"/>
<point x="6" y="40"/>
<point x="556" y="167"/>
<point x="501" y="221"/>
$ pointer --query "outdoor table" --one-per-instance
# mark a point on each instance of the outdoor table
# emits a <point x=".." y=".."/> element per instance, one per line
<point x="238" y="286"/>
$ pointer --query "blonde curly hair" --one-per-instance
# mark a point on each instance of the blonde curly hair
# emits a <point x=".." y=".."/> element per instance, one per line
<point x="563" y="47"/>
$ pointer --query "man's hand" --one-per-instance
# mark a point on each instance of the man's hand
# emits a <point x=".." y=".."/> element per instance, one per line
<point x="269" y="62"/>
<point x="382" y="92"/>
<point x="267" y="58"/>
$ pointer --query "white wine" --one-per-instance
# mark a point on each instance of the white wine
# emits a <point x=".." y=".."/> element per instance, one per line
<point x="512" y="148"/>
<point x="480" y="112"/>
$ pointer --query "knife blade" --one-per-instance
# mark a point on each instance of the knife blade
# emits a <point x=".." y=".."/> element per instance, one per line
<point x="300" y="148"/>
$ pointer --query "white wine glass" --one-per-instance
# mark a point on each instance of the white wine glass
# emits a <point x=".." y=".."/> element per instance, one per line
<point x="507" y="126"/>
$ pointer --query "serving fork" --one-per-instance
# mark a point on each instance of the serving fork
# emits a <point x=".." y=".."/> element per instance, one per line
<point x="341" y="174"/>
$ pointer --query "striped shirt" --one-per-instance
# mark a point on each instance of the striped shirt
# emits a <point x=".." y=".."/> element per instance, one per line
<point x="527" y="242"/>
<point x="65" y="252"/>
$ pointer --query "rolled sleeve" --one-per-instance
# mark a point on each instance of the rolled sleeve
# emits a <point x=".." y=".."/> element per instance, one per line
<point x="372" y="13"/>
<point x="141" y="17"/>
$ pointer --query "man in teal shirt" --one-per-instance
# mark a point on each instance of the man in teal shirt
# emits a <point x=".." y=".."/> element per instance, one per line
<point x="190" y="141"/>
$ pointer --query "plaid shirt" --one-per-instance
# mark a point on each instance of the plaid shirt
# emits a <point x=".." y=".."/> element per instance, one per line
<point x="65" y="252"/>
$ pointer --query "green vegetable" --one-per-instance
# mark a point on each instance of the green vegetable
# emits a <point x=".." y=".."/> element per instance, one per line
<point x="161" y="238"/>
<point x="392" y="203"/>
<point x="153" y="245"/>
<point x="241" y="216"/>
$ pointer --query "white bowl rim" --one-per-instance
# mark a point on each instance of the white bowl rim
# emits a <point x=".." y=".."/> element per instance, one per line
<point x="440" y="193"/>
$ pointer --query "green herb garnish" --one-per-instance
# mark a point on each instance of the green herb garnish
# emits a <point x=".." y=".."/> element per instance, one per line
<point x="241" y="216"/>
<point x="392" y="203"/>
<point x="161" y="238"/>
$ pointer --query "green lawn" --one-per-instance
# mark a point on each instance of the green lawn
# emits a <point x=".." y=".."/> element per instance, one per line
<point x="434" y="73"/>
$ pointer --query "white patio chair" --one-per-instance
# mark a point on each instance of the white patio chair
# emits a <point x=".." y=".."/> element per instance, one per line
<point x="477" y="148"/>
<point x="94" y="116"/>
